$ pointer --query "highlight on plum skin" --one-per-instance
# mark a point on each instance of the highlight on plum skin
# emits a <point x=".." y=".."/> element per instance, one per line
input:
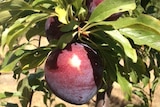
<point x="74" y="74"/>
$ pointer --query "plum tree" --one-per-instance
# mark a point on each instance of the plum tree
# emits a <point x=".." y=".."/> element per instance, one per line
<point x="75" y="73"/>
<point x="73" y="70"/>
<point x="52" y="28"/>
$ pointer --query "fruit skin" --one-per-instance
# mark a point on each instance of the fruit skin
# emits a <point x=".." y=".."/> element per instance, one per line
<point x="75" y="73"/>
<point x="94" y="3"/>
<point x="52" y="29"/>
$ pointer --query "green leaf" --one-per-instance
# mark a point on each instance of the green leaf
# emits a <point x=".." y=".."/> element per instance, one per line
<point x="35" y="80"/>
<point x="135" y="28"/>
<point x="143" y="19"/>
<point x="36" y="30"/>
<point x="141" y="36"/>
<point x="11" y="60"/>
<point x="129" y="51"/>
<point x="148" y="21"/>
<point x="71" y="26"/>
<point x="109" y="7"/>
<point x="65" y="39"/>
<point x="145" y="80"/>
<point x="62" y="14"/>
<point x="20" y="27"/>
<point x="125" y="85"/>
<point x="9" y="94"/>
<point x="77" y="4"/>
<point x="134" y="77"/>
<point x="82" y="14"/>
<point x="5" y="15"/>
<point x="41" y="2"/>
<point x="14" y="5"/>
<point x="28" y="59"/>
<point x="136" y="69"/>
<point x="34" y="58"/>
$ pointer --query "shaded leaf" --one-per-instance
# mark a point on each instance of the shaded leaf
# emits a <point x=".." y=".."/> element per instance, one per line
<point x="65" y="39"/>
<point x="36" y="30"/>
<point x="34" y="58"/>
<point x="77" y="4"/>
<point x="35" y="80"/>
<point x="129" y="51"/>
<point x="28" y="59"/>
<point x="136" y="69"/>
<point x="71" y="26"/>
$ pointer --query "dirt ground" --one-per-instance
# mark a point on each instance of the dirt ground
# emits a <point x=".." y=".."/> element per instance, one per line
<point x="7" y="83"/>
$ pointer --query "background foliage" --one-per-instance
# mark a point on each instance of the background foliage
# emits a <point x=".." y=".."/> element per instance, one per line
<point x="133" y="40"/>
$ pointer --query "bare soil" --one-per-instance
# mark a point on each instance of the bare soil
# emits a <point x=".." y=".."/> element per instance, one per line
<point x="8" y="84"/>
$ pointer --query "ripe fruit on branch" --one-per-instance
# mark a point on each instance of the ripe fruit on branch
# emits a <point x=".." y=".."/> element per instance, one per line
<point x="75" y="73"/>
<point x="52" y="28"/>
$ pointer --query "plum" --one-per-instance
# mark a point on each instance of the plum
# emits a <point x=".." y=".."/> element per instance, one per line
<point x="94" y="3"/>
<point x="52" y="28"/>
<point x="74" y="74"/>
